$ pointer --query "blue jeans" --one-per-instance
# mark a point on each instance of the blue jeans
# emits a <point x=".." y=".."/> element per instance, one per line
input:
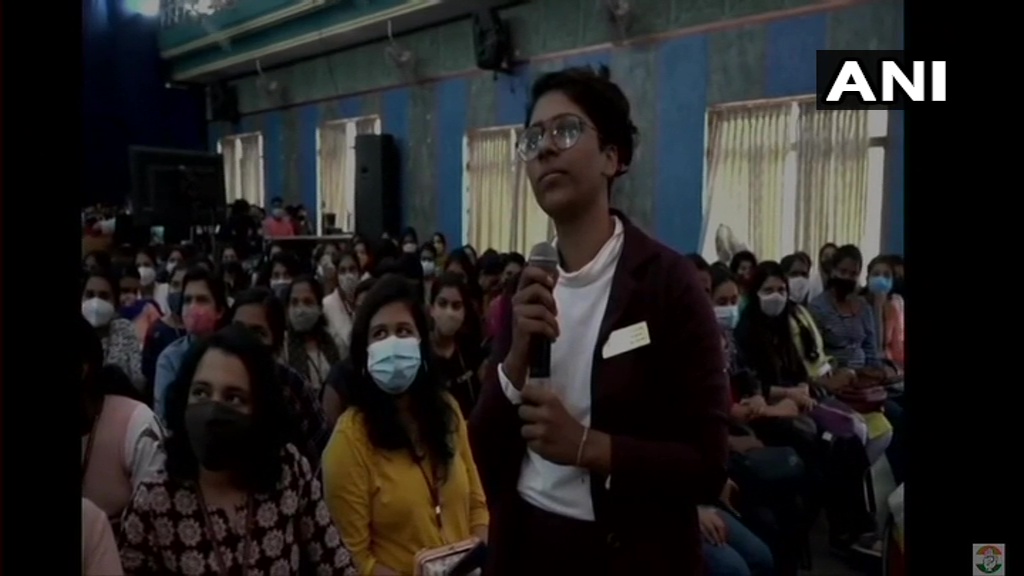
<point x="744" y="554"/>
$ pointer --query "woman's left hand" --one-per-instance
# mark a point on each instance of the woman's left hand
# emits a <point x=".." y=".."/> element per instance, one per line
<point x="548" y="428"/>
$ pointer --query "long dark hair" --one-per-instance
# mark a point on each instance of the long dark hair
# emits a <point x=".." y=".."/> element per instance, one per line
<point x="429" y="404"/>
<point x="262" y="466"/>
<point x="298" y="357"/>
<point x="767" y="339"/>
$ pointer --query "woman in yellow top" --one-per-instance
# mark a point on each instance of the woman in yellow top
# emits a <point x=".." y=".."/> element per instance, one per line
<point x="398" y="473"/>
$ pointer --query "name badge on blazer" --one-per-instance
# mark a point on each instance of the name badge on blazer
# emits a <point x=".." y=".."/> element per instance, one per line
<point x="625" y="339"/>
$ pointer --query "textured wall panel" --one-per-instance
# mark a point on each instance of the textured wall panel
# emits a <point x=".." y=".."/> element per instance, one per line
<point x="736" y="66"/>
<point x="421" y="191"/>
<point x="290" y="143"/>
<point x="682" y="104"/>
<point x="669" y="83"/>
<point x="636" y="71"/>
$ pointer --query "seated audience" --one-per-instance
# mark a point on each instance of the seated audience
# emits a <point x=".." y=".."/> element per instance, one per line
<point x="454" y="366"/>
<point x="141" y="311"/>
<point x="203" y="304"/>
<point x="729" y="547"/>
<point x="121" y="437"/>
<point x="309" y="349"/>
<point x="237" y="497"/>
<point x="263" y="313"/>
<point x="399" y="474"/>
<point x="887" y="307"/>
<point x="121" y="345"/>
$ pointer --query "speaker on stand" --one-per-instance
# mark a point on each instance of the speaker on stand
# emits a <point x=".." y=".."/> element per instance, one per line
<point x="378" y="186"/>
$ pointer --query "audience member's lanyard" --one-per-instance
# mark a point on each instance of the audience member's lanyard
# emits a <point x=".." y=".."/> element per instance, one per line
<point x="243" y="561"/>
<point x="349" y="310"/>
<point x="435" y="494"/>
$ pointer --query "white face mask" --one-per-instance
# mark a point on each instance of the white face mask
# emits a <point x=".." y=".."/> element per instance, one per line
<point x="799" y="287"/>
<point x="727" y="316"/>
<point x="447" y="322"/>
<point x="428" y="267"/>
<point x="171" y="265"/>
<point x="347" y="283"/>
<point x="772" y="304"/>
<point x="409" y="248"/>
<point x="98" y="312"/>
<point x="147" y="275"/>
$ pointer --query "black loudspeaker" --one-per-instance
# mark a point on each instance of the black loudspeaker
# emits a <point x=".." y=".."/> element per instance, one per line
<point x="224" y="103"/>
<point x="378" y="195"/>
<point x="491" y="41"/>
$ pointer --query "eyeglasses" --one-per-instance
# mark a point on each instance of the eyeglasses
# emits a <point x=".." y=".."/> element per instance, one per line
<point x="564" y="132"/>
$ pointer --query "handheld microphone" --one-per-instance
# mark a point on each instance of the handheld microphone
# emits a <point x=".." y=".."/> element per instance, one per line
<point x="545" y="257"/>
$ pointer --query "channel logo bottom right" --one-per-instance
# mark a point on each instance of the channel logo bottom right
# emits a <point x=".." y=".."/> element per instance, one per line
<point x="989" y="559"/>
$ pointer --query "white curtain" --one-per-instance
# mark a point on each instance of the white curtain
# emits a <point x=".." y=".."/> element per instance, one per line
<point x="250" y="175"/>
<point x="503" y="213"/>
<point x="333" y="173"/>
<point x="243" y="167"/>
<point x="338" y="168"/>
<point x="746" y="176"/>
<point x="832" y="179"/>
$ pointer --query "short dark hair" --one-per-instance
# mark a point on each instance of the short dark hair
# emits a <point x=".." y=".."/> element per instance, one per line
<point x="263" y="462"/>
<point x="214" y="283"/>
<point x="602" y="100"/>
<point x="848" y="252"/>
<point x="272" y="307"/>
<point x="741" y="257"/>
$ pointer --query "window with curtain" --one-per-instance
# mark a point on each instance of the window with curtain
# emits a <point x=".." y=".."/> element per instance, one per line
<point x="783" y="177"/>
<point x="501" y="210"/>
<point x="243" y="167"/>
<point x="336" y="171"/>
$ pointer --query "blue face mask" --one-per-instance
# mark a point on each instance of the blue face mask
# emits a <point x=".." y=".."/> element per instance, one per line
<point x="174" y="302"/>
<point x="393" y="363"/>
<point x="881" y="285"/>
<point x="727" y="316"/>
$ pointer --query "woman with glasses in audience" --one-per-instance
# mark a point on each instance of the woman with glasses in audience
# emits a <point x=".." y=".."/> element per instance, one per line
<point x="121" y="437"/>
<point x="309" y="349"/>
<point x="203" y="305"/>
<point x="259" y="310"/>
<point x="101" y="295"/>
<point x="399" y="475"/>
<point x="237" y="497"/>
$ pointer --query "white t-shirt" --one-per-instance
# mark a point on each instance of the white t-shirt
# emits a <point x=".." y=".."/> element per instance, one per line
<point x="581" y="298"/>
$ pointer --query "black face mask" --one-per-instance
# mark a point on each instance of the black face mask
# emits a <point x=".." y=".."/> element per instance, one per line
<point x="218" y="434"/>
<point x="843" y="287"/>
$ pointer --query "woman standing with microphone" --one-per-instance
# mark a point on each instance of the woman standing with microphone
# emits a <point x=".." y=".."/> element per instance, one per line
<point x="600" y="469"/>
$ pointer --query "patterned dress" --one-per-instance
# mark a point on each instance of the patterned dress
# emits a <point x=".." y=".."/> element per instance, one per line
<point x="291" y="532"/>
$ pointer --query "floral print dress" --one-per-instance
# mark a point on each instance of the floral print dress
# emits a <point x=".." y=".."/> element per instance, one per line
<point x="291" y="533"/>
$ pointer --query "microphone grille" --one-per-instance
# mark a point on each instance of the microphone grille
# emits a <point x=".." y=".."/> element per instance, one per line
<point x="544" y="255"/>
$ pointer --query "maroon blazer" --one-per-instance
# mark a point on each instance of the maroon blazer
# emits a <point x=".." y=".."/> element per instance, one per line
<point x="665" y="406"/>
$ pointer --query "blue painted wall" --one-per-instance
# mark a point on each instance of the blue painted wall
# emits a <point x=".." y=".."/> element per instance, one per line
<point x="670" y="84"/>
<point x="125" y="102"/>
